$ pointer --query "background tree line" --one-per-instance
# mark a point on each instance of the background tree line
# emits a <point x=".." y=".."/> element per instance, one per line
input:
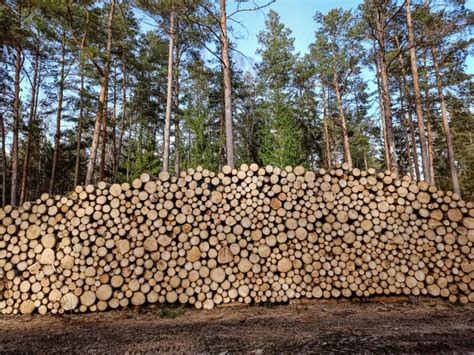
<point x="88" y="91"/>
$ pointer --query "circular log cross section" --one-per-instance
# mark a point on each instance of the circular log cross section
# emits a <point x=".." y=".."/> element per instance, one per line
<point x="249" y="235"/>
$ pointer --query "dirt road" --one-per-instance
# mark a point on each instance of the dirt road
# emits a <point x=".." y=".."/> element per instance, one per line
<point x="381" y="325"/>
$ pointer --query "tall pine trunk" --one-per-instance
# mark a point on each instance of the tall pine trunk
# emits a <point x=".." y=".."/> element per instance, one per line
<point x="103" y="87"/>
<point x="57" y="137"/>
<point x="169" y="97"/>
<point x="79" y="126"/>
<point x="81" y="103"/>
<point x="177" y="131"/>
<point x="105" y="123"/>
<point x="16" y="127"/>
<point x="416" y="89"/>
<point x="386" y="90"/>
<point x="429" y="130"/>
<point x="114" y="122"/>
<point x="229" y="132"/>
<point x="327" y="148"/>
<point x="386" y="149"/>
<point x="124" y="115"/>
<point x="4" y="161"/>
<point x="446" y="128"/>
<point x="406" y="133"/>
<point x="31" y="123"/>
<point x="414" y="149"/>
<point x="342" y="118"/>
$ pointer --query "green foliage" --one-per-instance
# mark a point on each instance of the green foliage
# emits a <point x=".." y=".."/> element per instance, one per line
<point x="280" y="137"/>
<point x="277" y="109"/>
<point x="172" y="312"/>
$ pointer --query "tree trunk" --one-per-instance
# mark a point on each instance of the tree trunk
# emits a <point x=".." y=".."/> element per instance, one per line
<point x="382" y="110"/>
<point x="416" y="89"/>
<point x="446" y="128"/>
<point x="414" y="149"/>
<point x="177" y="132"/>
<point x="122" y="123"/>
<point x="79" y="126"/>
<point x="4" y="161"/>
<point x="103" y="87"/>
<point x="81" y="105"/>
<point x="428" y="119"/>
<point x="105" y="122"/>
<point x="342" y="118"/>
<point x="169" y="97"/>
<point x="402" y="93"/>
<point x="57" y="137"/>
<point x="333" y="141"/>
<point x="327" y="148"/>
<point x="114" y="122"/>
<point x="16" y="127"/>
<point x="405" y="130"/>
<point x="229" y="133"/>
<point x="386" y="91"/>
<point x="31" y="122"/>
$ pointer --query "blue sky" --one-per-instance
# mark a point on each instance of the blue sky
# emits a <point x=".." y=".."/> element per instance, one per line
<point x="296" y="15"/>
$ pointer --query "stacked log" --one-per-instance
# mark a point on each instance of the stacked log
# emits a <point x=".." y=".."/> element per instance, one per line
<point x="252" y="235"/>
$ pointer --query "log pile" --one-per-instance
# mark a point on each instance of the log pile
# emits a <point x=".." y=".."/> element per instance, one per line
<point x="252" y="235"/>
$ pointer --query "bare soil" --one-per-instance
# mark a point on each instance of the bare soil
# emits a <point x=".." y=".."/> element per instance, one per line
<point x="379" y="325"/>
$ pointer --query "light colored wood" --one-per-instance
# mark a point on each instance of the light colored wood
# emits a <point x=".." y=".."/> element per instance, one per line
<point x="240" y="235"/>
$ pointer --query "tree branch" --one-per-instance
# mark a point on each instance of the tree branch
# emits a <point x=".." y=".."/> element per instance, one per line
<point x="257" y="7"/>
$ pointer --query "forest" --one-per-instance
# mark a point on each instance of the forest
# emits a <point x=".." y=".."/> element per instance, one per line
<point x="106" y="90"/>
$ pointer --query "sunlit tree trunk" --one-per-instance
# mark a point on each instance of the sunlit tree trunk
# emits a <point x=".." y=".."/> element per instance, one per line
<point x="327" y="148"/>
<point x="429" y="130"/>
<point x="16" y="118"/>
<point x="406" y="94"/>
<point x="102" y="100"/>
<point x="446" y="128"/>
<point x="4" y="161"/>
<point x="229" y="133"/>
<point x="81" y="102"/>
<point x="169" y="97"/>
<point x="177" y="131"/>
<point x="57" y="136"/>
<point x="79" y="126"/>
<point x="31" y="123"/>
<point x="382" y="110"/>
<point x="416" y="89"/>
<point x="124" y="115"/>
<point x="105" y="126"/>
<point x="385" y="86"/>
<point x="114" y="122"/>
<point x="345" y="134"/>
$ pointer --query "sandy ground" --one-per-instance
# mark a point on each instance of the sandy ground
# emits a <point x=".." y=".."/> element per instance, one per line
<point x="380" y="325"/>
